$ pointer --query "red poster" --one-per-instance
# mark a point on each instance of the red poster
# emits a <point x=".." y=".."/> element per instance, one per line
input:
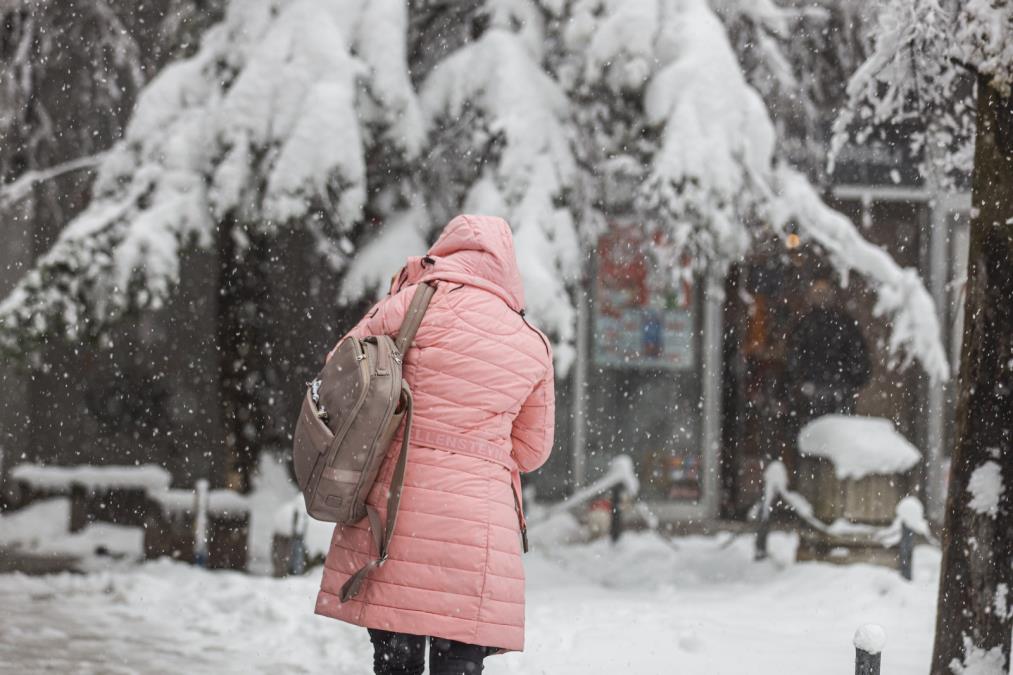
<point x="644" y="309"/>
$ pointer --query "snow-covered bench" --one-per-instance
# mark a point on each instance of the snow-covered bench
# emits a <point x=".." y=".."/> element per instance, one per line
<point x="854" y="471"/>
<point x="170" y="526"/>
<point x="113" y="494"/>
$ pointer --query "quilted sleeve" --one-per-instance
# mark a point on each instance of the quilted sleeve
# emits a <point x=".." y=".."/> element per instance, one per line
<point x="535" y="425"/>
<point x="383" y="318"/>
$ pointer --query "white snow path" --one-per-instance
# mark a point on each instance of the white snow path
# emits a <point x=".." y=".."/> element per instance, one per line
<point x="642" y="608"/>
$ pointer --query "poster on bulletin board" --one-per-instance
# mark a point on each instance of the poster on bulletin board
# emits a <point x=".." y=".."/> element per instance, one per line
<point x="644" y="310"/>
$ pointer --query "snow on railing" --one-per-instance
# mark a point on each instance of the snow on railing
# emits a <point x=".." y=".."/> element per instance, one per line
<point x="909" y="519"/>
<point x="143" y="476"/>
<point x="619" y="479"/>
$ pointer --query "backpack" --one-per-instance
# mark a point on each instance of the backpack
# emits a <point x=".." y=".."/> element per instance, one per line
<point x="349" y="416"/>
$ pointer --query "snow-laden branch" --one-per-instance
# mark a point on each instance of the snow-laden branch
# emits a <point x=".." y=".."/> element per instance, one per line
<point x="901" y="296"/>
<point x="266" y="122"/>
<point x="912" y="76"/>
<point x="620" y="472"/>
<point x="270" y="124"/>
<point x="714" y="171"/>
<point x="522" y="126"/>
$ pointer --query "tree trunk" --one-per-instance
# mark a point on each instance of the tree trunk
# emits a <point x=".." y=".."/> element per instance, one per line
<point x="244" y="352"/>
<point x="975" y="608"/>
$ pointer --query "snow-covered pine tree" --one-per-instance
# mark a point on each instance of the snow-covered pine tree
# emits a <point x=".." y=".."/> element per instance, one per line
<point x="264" y="130"/>
<point x="935" y="60"/>
<point x="648" y="94"/>
<point x="305" y="115"/>
<point x="799" y="54"/>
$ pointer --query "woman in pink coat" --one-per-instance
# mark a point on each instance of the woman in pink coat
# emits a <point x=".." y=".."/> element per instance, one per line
<point x="482" y="382"/>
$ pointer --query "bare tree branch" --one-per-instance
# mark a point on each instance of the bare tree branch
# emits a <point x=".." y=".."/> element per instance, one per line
<point x="18" y="189"/>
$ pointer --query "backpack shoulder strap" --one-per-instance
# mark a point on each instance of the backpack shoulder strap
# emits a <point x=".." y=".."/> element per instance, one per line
<point x="413" y="317"/>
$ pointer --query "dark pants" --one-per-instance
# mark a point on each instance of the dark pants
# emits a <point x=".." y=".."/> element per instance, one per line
<point x="403" y="654"/>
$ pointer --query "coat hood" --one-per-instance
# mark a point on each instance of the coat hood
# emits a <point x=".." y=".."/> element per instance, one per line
<point x="473" y="250"/>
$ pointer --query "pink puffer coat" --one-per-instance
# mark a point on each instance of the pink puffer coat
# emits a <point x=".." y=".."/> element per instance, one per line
<point x="482" y="381"/>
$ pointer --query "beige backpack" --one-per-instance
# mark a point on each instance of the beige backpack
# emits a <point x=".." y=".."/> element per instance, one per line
<point x="348" y="418"/>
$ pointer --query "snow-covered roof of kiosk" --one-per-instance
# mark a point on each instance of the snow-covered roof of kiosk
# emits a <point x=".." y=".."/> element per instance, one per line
<point x="145" y="476"/>
<point x="858" y="446"/>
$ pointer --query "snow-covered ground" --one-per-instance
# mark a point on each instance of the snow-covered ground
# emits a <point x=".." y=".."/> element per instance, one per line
<point x="649" y="605"/>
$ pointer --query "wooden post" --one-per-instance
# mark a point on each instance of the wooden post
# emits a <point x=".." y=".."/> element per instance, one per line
<point x="616" y="525"/>
<point x="906" y="551"/>
<point x="760" y="553"/>
<point x="869" y="641"/>
<point x="200" y="524"/>
<point x="297" y="552"/>
<point x="866" y="663"/>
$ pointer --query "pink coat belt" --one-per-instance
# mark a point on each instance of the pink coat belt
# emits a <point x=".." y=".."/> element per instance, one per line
<point x="474" y="447"/>
<point x="462" y="445"/>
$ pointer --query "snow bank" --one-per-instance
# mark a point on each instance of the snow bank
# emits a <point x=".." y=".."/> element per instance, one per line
<point x="858" y="446"/>
<point x="41" y="528"/>
<point x="38" y="522"/>
<point x="698" y="605"/>
<point x="146" y="476"/>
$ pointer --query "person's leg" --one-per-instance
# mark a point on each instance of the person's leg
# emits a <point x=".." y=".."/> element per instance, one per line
<point x="397" y="653"/>
<point x="449" y="657"/>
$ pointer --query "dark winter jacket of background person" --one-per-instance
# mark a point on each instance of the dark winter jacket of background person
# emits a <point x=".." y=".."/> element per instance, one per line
<point x="828" y="362"/>
<point x="482" y="381"/>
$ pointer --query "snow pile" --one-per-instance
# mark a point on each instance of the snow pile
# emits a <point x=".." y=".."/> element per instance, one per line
<point x="41" y="529"/>
<point x="60" y="478"/>
<point x="858" y="446"/>
<point x="986" y="488"/>
<point x="911" y="514"/>
<point x="775" y="486"/>
<point x="35" y="524"/>
<point x="697" y="606"/>
<point x="870" y="638"/>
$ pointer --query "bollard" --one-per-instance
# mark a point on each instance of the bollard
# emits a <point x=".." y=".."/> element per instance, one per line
<point x="200" y="524"/>
<point x="869" y="641"/>
<point x="760" y="552"/>
<point x="906" y="551"/>
<point x="616" y="525"/>
<point x="297" y="552"/>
